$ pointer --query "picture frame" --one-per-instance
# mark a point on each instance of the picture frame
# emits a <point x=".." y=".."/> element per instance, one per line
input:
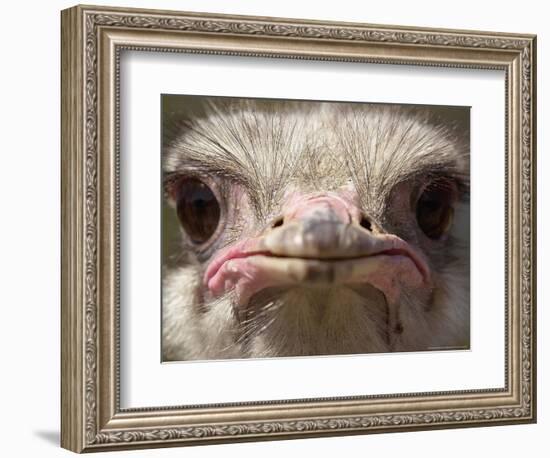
<point x="93" y="40"/>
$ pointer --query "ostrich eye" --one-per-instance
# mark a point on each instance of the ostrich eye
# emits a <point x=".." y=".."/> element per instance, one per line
<point x="198" y="209"/>
<point x="434" y="208"/>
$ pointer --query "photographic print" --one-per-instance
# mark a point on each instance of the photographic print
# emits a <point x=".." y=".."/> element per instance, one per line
<point x="309" y="228"/>
<point x="307" y="261"/>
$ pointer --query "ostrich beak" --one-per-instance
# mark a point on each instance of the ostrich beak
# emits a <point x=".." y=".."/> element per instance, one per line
<point x="320" y="242"/>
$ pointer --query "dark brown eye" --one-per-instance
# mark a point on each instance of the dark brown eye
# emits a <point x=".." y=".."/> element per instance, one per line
<point x="435" y="208"/>
<point x="198" y="209"/>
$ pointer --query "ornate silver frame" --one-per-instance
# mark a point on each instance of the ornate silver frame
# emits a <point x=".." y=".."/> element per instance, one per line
<point x="92" y="39"/>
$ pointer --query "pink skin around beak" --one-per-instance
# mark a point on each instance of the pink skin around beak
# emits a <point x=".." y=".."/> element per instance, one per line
<point x="320" y="243"/>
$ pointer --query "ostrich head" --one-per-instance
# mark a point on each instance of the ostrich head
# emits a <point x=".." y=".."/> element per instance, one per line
<point x="313" y="228"/>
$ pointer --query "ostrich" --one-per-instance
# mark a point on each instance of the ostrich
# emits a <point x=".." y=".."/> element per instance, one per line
<point x="316" y="228"/>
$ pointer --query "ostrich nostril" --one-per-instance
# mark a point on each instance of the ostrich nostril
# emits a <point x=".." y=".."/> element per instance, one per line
<point x="277" y="223"/>
<point x="365" y="222"/>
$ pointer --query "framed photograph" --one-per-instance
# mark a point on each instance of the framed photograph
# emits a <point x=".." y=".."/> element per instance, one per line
<point x="277" y="228"/>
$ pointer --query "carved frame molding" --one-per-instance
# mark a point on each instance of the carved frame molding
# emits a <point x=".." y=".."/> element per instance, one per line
<point x="92" y="39"/>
